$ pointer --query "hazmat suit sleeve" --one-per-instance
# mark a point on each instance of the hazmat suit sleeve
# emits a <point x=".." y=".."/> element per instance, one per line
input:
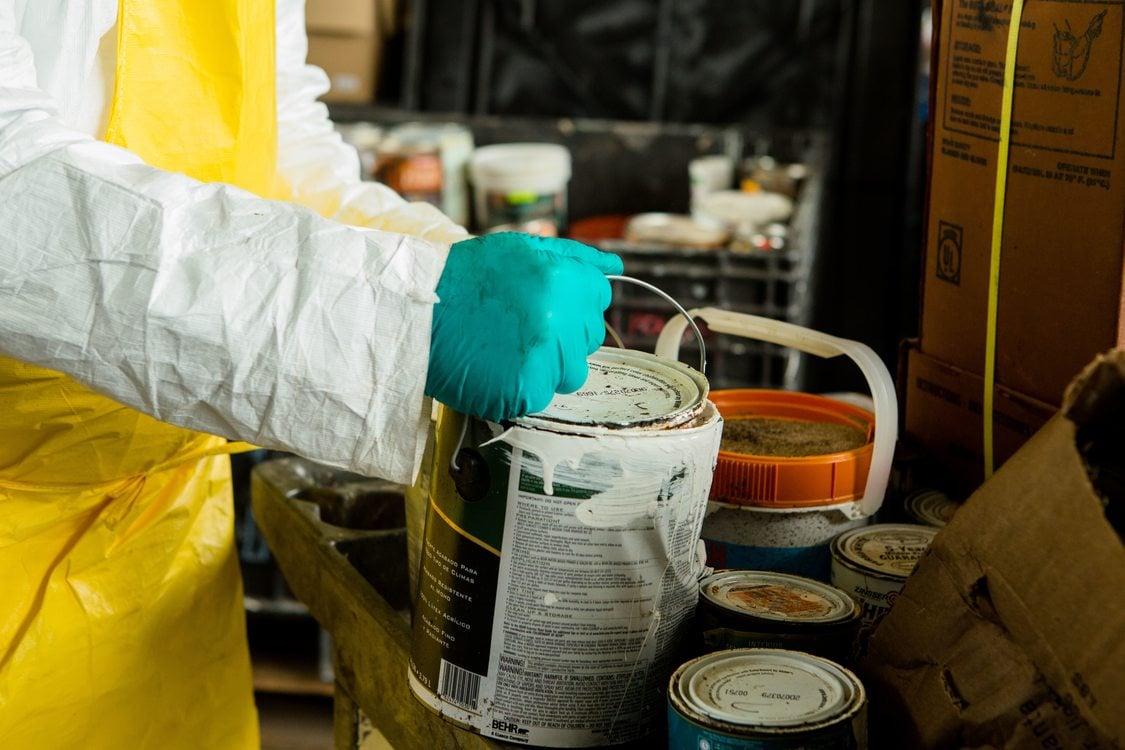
<point x="321" y="170"/>
<point x="204" y="305"/>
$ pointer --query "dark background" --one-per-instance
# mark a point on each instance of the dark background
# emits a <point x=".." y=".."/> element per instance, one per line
<point x="674" y="78"/>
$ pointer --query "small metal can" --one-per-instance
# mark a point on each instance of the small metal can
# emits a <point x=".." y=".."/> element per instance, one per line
<point x="764" y="609"/>
<point x="929" y="507"/>
<point x="872" y="564"/>
<point x="413" y="170"/>
<point x="765" y="699"/>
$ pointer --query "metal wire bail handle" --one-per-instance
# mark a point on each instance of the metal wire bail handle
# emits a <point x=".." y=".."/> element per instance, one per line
<point x="612" y="277"/>
<point x="679" y="307"/>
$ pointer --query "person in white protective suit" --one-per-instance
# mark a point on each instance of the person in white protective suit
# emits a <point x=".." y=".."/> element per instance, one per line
<point x="189" y="257"/>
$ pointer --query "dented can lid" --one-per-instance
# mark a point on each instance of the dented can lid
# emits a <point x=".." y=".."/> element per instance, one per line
<point x="888" y="549"/>
<point x="930" y="507"/>
<point x="778" y="597"/>
<point x="625" y="389"/>
<point x="766" y="690"/>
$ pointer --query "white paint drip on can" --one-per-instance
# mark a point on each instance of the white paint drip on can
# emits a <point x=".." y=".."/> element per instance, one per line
<point x="551" y="603"/>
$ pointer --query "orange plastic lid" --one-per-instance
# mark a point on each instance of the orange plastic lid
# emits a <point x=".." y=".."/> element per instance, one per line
<point x="783" y="482"/>
<point x="594" y="228"/>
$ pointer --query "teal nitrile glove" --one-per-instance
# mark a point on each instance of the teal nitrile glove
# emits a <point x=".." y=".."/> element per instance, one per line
<point x="517" y="317"/>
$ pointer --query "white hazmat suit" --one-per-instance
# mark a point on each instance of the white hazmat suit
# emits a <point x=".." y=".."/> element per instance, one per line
<point x="173" y="320"/>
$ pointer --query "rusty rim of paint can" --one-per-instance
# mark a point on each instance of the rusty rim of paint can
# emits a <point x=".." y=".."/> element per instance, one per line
<point x="761" y="691"/>
<point x="777" y="598"/>
<point x="930" y="507"/>
<point x="626" y="389"/>
<point x="886" y="550"/>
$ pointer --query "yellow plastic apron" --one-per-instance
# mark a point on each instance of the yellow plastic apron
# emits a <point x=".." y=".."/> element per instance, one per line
<point x="121" y="617"/>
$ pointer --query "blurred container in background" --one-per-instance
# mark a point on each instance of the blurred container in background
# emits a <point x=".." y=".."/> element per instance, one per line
<point x="708" y="174"/>
<point x="521" y="186"/>
<point x="364" y="137"/>
<point x="427" y="162"/>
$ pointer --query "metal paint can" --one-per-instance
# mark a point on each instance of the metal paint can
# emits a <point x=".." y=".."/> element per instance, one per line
<point x="559" y="569"/>
<point x="765" y="699"/>
<point x="411" y="169"/>
<point x="872" y="565"/>
<point x="929" y="508"/>
<point x="427" y="162"/>
<point x="763" y="609"/>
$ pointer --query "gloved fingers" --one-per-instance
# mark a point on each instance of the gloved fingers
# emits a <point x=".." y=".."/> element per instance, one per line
<point x="573" y="370"/>
<point x="593" y="318"/>
<point x="607" y="263"/>
<point x="594" y="288"/>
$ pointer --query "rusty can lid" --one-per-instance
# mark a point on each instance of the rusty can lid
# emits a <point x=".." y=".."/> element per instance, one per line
<point x="888" y="549"/>
<point x="768" y="688"/>
<point x="778" y="597"/>
<point x="626" y="389"/>
<point x="930" y="507"/>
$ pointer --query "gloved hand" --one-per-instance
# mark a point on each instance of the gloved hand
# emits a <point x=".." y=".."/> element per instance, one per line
<point x="517" y="317"/>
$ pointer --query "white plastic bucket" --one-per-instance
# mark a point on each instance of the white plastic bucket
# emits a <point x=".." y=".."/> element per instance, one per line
<point x="795" y="539"/>
<point x="520" y="184"/>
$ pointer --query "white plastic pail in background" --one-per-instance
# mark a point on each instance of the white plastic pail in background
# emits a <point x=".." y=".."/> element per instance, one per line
<point x="520" y="186"/>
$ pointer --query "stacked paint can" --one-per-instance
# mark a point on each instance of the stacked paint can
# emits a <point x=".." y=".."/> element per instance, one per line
<point x="560" y="565"/>
<point x="752" y="699"/>
<point x="762" y="609"/>
<point x="872" y="564"/>
<point x="781" y="512"/>
<point x="929" y="508"/>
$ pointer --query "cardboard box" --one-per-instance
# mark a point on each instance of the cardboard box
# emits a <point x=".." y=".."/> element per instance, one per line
<point x="346" y="42"/>
<point x="943" y="414"/>
<point x="341" y="17"/>
<point x="1060" y="300"/>
<point x="1010" y="633"/>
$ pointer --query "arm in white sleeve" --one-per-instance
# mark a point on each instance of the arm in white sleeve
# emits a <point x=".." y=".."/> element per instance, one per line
<point x="319" y="168"/>
<point x="203" y="305"/>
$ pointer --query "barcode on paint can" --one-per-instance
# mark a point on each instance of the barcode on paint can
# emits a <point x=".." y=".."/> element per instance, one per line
<point x="459" y="686"/>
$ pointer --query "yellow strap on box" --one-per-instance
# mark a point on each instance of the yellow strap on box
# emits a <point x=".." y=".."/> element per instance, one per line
<point x="998" y="228"/>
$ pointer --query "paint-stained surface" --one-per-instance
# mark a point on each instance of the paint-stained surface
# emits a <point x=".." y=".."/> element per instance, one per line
<point x="551" y="604"/>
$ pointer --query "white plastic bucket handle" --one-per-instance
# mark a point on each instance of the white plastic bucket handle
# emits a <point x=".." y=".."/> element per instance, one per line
<point x="821" y="345"/>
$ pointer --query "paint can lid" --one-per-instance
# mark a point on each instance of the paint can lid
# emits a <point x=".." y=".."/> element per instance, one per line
<point x="737" y="208"/>
<point x="675" y="230"/>
<point x="520" y="167"/>
<point x="768" y="688"/>
<point x="888" y="549"/>
<point x="779" y="597"/>
<point x="930" y="507"/>
<point x="625" y="389"/>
